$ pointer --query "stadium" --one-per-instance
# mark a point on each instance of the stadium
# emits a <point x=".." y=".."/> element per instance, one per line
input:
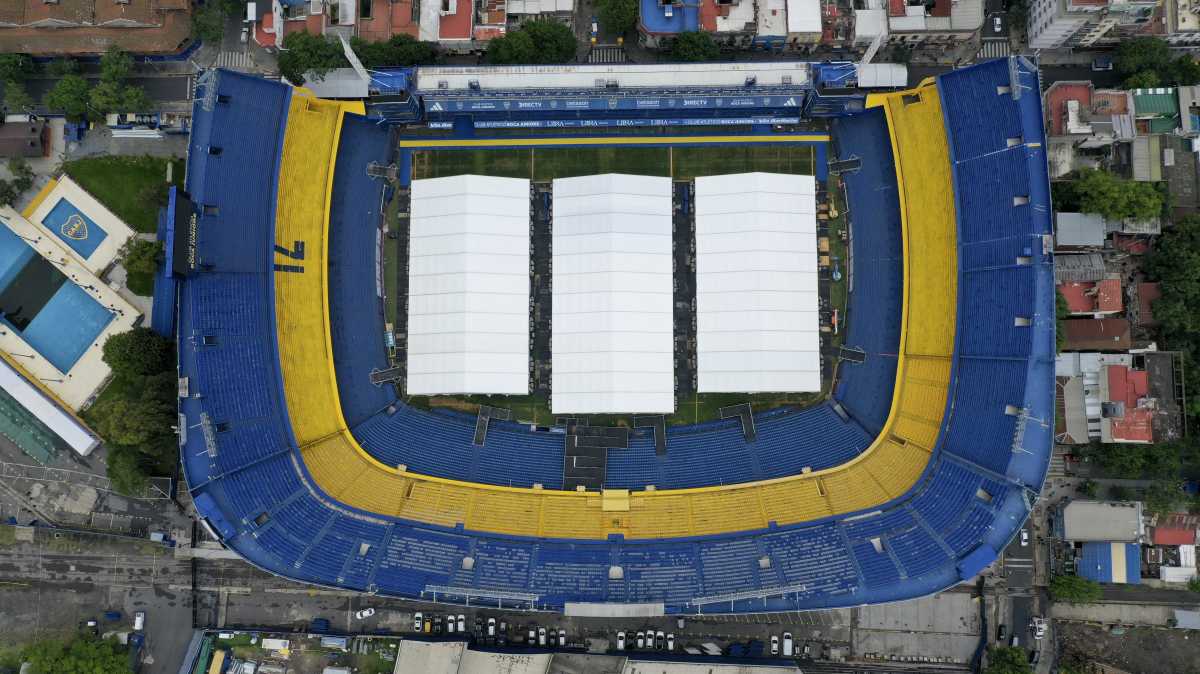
<point x="909" y="478"/>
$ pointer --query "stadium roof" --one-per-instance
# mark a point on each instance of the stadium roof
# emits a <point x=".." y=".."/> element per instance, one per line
<point x="612" y="338"/>
<point x="468" y="302"/>
<point x="676" y="75"/>
<point x="756" y="283"/>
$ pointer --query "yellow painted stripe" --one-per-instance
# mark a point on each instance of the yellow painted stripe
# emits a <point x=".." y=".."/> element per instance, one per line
<point x="345" y="471"/>
<point x="39" y="198"/>
<point x="612" y="140"/>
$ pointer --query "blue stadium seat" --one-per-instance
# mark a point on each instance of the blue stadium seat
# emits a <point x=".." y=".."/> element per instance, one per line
<point x="978" y="428"/>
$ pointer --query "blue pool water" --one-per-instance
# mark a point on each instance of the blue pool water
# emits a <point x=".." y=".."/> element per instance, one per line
<point x="74" y="228"/>
<point x="56" y="317"/>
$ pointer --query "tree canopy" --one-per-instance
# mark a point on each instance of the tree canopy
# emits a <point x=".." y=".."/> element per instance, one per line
<point x="692" y="46"/>
<point x="16" y="97"/>
<point x="16" y="67"/>
<point x="115" y="65"/>
<point x="1074" y="589"/>
<point x="78" y="656"/>
<point x="208" y="21"/>
<point x="141" y="256"/>
<point x="399" y="50"/>
<point x="538" y="41"/>
<point x="1007" y="660"/>
<point x="1149" y="62"/>
<point x="70" y="97"/>
<point x="140" y="351"/>
<point x="1116" y="198"/>
<point x="618" y="16"/>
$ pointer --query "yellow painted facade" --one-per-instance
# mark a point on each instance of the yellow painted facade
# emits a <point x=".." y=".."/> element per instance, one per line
<point x="887" y="469"/>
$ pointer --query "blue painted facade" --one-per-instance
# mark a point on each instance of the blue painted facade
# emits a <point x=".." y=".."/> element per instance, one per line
<point x="247" y="479"/>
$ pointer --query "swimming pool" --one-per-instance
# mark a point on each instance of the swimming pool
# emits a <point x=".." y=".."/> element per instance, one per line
<point x="52" y="314"/>
<point x="76" y="230"/>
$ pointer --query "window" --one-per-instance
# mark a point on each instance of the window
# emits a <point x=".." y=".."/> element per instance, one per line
<point x="364" y="8"/>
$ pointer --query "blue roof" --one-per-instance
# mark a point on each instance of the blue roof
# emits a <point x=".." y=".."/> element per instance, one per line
<point x="1096" y="562"/>
<point x="655" y="19"/>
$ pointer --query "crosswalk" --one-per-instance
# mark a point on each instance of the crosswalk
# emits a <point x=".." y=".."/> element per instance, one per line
<point x="606" y="54"/>
<point x="993" y="49"/>
<point x="235" y="60"/>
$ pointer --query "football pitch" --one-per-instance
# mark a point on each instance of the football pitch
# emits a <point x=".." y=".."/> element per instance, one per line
<point x="678" y="162"/>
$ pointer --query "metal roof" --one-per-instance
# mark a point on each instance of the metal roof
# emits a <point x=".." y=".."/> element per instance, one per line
<point x="1080" y="229"/>
<point x="586" y="76"/>
<point x="1108" y="521"/>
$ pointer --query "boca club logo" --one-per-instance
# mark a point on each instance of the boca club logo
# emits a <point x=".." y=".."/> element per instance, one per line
<point x="75" y="228"/>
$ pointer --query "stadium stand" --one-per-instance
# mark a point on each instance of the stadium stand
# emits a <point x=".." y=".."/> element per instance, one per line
<point x="275" y="471"/>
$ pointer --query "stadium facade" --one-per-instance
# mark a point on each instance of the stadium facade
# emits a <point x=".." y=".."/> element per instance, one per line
<point x="910" y="479"/>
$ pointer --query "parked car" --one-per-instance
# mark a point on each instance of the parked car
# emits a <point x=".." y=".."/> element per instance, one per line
<point x="541" y="636"/>
<point x="428" y="624"/>
<point x="532" y="637"/>
<point x="450" y="624"/>
<point x="1102" y="63"/>
<point x="139" y="621"/>
<point x="1024" y="538"/>
<point x="774" y="644"/>
<point x="641" y="639"/>
<point x="364" y="613"/>
<point x="1039" y="627"/>
<point x="437" y="624"/>
<point x="491" y="623"/>
<point x="503" y="627"/>
<point x="620" y="641"/>
<point x="789" y="647"/>
<point x="671" y="641"/>
<point x="562" y="637"/>
<point x="462" y="623"/>
<point x="417" y="621"/>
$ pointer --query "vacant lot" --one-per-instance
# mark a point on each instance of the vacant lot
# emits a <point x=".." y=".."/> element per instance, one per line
<point x="1141" y="650"/>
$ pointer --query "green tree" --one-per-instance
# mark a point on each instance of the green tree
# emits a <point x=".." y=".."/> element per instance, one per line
<point x="208" y="22"/>
<point x="16" y="67"/>
<point x="399" y="50"/>
<point x="8" y="193"/>
<point x="1089" y="488"/>
<point x="22" y="173"/>
<point x="1074" y="589"/>
<point x="134" y="99"/>
<point x="538" y="41"/>
<point x="1120" y="493"/>
<point x="142" y="422"/>
<point x="141" y="256"/>
<point x="106" y="97"/>
<point x="1115" y="198"/>
<point x="139" y="352"/>
<point x="693" y="46"/>
<point x="618" y="16"/>
<point x="1175" y="262"/>
<point x="1164" y="496"/>
<point x="1193" y="585"/>
<point x="305" y="55"/>
<point x="1146" y="79"/>
<point x="60" y="67"/>
<point x="16" y="98"/>
<point x="1007" y="660"/>
<point x="125" y="470"/>
<point x="78" y="656"/>
<point x="70" y="97"/>
<point x="115" y="65"/>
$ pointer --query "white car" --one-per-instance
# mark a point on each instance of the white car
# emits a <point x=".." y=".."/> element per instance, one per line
<point x="789" y="647"/>
<point x="671" y="641"/>
<point x="620" y="641"/>
<point x="562" y="637"/>
<point x="462" y="623"/>
<point x="139" y="621"/>
<point x="491" y="627"/>
<point x="1024" y="538"/>
<point x="1039" y="627"/>
<point x="417" y="620"/>
<point x="774" y="644"/>
<point x="450" y="624"/>
<point x="541" y="636"/>
<point x="365" y="613"/>
<point x="641" y="639"/>
<point x="532" y="635"/>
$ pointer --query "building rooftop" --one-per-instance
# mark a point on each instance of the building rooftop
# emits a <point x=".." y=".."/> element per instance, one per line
<point x="1147" y="294"/>
<point x="1056" y="99"/>
<point x="1080" y="230"/>
<point x="1167" y="535"/>
<point x="1112" y="521"/>
<point x="1093" y="297"/>
<point x="1098" y="334"/>
<point x="670" y="19"/>
<point x="1127" y="388"/>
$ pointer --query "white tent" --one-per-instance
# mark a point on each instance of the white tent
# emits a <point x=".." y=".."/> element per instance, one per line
<point x="612" y="337"/>
<point x="756" y="284"/>
<point x="468" y="292"/>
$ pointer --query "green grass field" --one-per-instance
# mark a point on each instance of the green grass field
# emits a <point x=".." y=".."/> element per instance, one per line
<point x="680" y="162"/>
<point x="127" y="185"/>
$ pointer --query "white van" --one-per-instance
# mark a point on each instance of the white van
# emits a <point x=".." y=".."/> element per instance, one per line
<point x="139" y="621"/>
<point x="789" y="647"/>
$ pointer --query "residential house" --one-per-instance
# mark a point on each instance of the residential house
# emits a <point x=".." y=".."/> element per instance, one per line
<point x="1093" y="298"/>
<point x="374" y="20"/>
<point x="738" y="24"/>
<point x="1182" y="22"/>
<point x="921" y="22"/>
<point x="80" y="27"/>
<point x="1125" y="397"/>
<point x="1075" y="232"/>
<point x="1098" y="334"/>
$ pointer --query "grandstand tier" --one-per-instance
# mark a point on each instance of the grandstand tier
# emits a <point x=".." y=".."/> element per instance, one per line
<point x="309" y="479"/>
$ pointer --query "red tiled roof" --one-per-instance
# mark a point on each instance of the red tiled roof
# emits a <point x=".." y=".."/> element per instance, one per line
<point x="1098" y="334"/>
<point x="708" y="16"/>
<point x="1134" y="245"/>
<point x="1110" y="102"/>
<point x="457" y="26"/>
<point x="1135" y="426"/>
<point x="896" y="7"/>
<point x="1056" y="101"/>
<point x="1128" y="387"/>
<point x="1091" y="297"/>
<point x="1147" y="294"/>
<point x="941" y="8"/>
<point x="1174" y="536"/>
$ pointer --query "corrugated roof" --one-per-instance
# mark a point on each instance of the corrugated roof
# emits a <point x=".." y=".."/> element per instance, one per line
<point x="1080" y="229"/>
<point x="1174" y="536"/>
<point x="1099" y="334"/>
<point x="1155" y="101"/>
<point x="1079" y="267"/>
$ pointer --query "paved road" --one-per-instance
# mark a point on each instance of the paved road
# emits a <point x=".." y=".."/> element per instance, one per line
<point x="166" y="88"/>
